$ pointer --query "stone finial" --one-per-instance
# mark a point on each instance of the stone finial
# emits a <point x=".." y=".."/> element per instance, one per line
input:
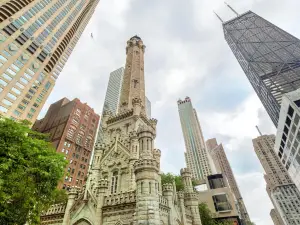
<point x="153" y="122"/>
<point x="97" y="146"/>
<point x="136" y="101"/>
<point x="167" y="187"/>
<point x="157" y="153"/>
<point x="180" y="195"/>
<point x="133" y="134"/>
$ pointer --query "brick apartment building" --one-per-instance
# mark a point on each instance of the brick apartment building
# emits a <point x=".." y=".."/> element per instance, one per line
<point x="72" y="126"/>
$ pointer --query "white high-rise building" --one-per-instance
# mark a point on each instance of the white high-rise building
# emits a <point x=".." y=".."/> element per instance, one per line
<point x="196" y="154"/>
<point x="288" y="135"/>
<point x="281" y="189"/>
<point x="112" y="97"/>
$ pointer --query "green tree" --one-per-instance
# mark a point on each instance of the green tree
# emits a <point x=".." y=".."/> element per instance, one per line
<point x="207" y="217"/>
<point x="30" y="170"/>
<point x="169" y="178"/>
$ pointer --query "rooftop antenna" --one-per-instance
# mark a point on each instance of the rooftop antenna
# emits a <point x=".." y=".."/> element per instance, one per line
<point x="235" y="12"/>
<point x="258" y="130"/>
<point x="218" y="17"/>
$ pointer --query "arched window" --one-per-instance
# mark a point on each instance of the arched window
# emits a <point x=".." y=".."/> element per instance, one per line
<point x="114" y="182"/>
<point x="150" y="188"/>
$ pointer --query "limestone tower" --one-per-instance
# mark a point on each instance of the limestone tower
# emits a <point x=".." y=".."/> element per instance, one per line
<point x="133" y="81"/>
<point x="124" y="182"/>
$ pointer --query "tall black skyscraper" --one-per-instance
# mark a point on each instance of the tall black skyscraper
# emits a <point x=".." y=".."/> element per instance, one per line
<point x="269" y="56"/>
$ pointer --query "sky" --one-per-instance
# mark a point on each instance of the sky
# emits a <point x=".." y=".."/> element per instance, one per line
<point x="186" y="55"/>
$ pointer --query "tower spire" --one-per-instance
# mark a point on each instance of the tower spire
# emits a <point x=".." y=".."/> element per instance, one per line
<point x="218" y="17"/>
<point x="258" y="130"/>
<point x="235" y="12"/>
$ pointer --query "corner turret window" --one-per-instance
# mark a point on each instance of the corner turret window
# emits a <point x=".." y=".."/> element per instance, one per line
<point x="114" y="182"/>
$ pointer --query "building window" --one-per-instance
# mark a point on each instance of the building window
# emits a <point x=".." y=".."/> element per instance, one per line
<point x="6" y="102"/>
<point x="70" y="133"/>
<point x="221" y="203"/>
<point x="3" y="109"/>
<point x="114" y="182"/>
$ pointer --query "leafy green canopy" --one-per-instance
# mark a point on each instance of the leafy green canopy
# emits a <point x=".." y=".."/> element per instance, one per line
<point x="30" y="170"/>
<point x="169" y="178"/>
<point x="207" y="217"/>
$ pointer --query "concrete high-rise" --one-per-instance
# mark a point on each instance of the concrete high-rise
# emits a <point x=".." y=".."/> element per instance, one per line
<point x="196" y="154"/>
<point x="148" y="108"/>
<point x="269" y="56"/>
<point x="222" y="165"/>
<point x="72" y="126"/>
<point x="36" y="40"/>
<point x="288" y="135"/>
<point x="276" y="217"/>
<point x="282" y="191"/>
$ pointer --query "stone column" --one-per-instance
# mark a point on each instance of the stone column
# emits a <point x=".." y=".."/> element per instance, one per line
<point x="101" y="191"/>
<point x="187" y="179"/>
<point x="147" y="198"/>
<point x="182" y="207"/>
<point x="134" y="155"/>
<point x="168" y="193"/>
<point x="71" y="199"/>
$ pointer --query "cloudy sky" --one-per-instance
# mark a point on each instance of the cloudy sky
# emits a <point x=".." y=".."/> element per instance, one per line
<point x="186" y="55"/>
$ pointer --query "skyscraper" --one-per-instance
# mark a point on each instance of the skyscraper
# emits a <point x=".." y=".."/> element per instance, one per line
<point x="72" y="126"/>
<point x="269" y="56"/>
<point x="222" y="165"/>
<point x="196" y="154"/>
<point x="112" y="97"/>
<point x="283" y="192"/>
<point x="36" y="39"/>
<point x="148" y="108"/>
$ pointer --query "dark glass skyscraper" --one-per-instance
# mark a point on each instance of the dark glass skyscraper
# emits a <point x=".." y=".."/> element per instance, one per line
<point x="269" y="56"/>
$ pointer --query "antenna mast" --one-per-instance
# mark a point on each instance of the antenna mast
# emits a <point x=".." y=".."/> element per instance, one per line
<point x="218" y="17"/>
<point x="235" y="12"/>
<point x="258" y="130"/>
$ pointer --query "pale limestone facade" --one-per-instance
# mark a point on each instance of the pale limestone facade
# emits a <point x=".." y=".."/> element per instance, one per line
<point x="124" y="183"/>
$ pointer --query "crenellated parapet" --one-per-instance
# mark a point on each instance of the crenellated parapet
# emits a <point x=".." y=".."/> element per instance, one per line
<point x="185" y="172"/>
<point x="135" y="41"/>
<point x="55" y="209"/>
<point x="146" y="164"/>
<point x="103" y="184"/>
<point x="167" y="188"/>
<point x="120" y="198"/>
<point x="120" y="116"/>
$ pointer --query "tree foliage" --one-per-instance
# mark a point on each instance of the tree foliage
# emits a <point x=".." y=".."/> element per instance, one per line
<point x="169" y="178"/>
<point x="207" y="217"/>
<point x="30" y="170"/>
